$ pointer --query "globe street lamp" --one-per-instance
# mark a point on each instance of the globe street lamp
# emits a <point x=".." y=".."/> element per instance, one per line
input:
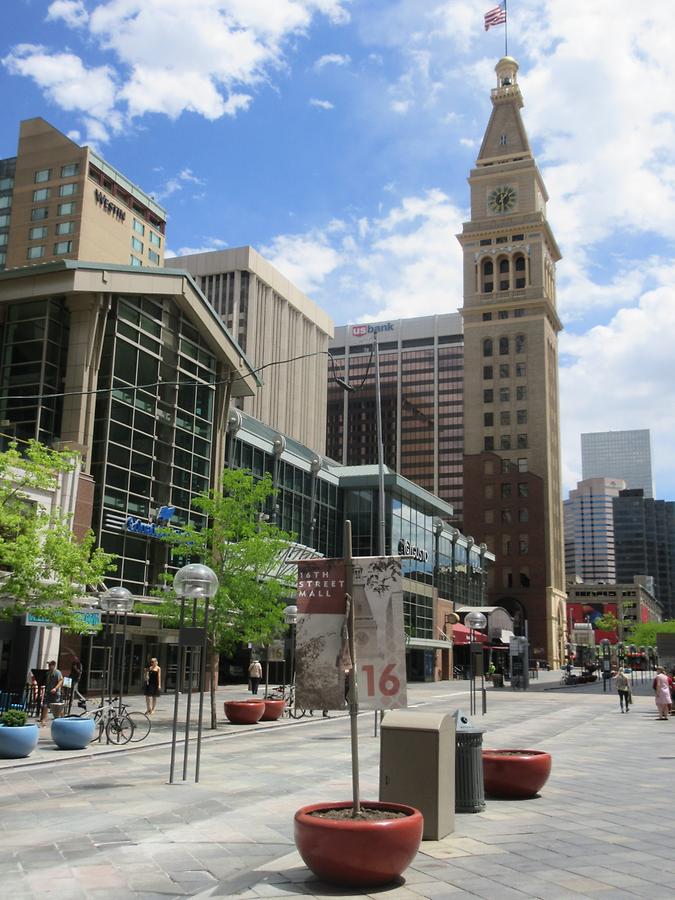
<point x="475" y="620"/>
<point x="291" y="619"/>
<point x="116" y="600"/>
<point x="193" y="582"/>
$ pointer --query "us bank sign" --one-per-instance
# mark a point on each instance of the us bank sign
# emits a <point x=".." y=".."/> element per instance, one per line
<point x="361" y="331"/>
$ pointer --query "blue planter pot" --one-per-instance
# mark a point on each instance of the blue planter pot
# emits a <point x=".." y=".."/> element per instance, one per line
<point x="18" y="742"/>
<point x="72" y="732"/>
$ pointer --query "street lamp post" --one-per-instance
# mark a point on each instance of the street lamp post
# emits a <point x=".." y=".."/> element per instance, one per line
<point x="116" y="600"/>
<point x="476" y="621"/>
<point x="193" y="582"/>
<point x="291" y="619"/>
<point x="381" y="549"/>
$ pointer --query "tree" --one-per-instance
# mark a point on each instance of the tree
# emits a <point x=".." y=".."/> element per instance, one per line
<point x="44" y="569"/>
<point x="607" y="622"/>
<point x="246" y="552"/>
<point x="644" y="633"/>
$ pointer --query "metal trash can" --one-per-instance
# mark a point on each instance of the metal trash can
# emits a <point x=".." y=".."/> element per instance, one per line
<point x="417" y="756"/>
<point x="469" y="790"/>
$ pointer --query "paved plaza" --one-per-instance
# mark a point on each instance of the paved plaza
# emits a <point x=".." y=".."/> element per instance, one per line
<point x="100" y="824"/>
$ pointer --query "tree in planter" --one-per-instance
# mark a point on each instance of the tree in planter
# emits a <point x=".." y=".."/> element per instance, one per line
<point x="245" y="551"/>
<point x="44" y="569"/>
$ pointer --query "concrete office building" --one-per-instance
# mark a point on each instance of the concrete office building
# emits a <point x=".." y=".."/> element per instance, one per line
<point x="512" y="475"/>
<point x="619" y="454"/>
<point x="644" y="540"/>
<point x="421" y="362"/>
<point x="62" y="201"/>
<point x="589" y="529"/>
<point x="273" y="322"/>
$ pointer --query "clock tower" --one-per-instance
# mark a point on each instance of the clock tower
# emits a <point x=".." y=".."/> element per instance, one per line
<point x="512" y="481"/>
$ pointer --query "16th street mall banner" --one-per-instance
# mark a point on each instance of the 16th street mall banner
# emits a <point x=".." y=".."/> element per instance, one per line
<point x="322" y="651"/>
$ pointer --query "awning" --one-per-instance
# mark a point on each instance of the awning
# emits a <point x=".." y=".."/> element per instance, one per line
<point x="462" y="635"/>
<point x="429" y="644"/>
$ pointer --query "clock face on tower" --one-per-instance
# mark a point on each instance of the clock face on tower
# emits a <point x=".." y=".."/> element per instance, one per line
<point x="502" y="199"/>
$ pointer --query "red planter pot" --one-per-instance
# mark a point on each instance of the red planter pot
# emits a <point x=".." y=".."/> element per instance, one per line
<point x="244" y="712"/>
<point x="515" y="774"/>
<point x="356" y="852"/>
<point x="273" y="710"/>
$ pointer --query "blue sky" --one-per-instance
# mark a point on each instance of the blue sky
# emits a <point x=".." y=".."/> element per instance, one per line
<point x="335" y="136"/>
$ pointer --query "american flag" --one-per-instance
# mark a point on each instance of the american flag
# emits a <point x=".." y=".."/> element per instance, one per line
<point x="496" y="16"/>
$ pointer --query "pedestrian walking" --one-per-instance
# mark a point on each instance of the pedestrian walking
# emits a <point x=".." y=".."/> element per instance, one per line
<point x="52" y="690"/>
<point x="254" y="675"/>
<point x="623" y="690"/>
<point x="661" y="685"/>
<point x="153" y="685"/>
<point x="76" y="671"/>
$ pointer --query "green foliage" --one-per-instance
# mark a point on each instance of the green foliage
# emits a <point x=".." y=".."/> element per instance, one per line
<point x="644" y="634"/>
<point x="245" y="552"/>
<point x="13" y="718"/>
<point x="607" y="622"/>
<point x="43" y="568"/>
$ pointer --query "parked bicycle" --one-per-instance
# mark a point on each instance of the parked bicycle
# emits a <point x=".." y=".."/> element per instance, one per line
<point x="287" y="693"/>
<point x="118" y="729"/>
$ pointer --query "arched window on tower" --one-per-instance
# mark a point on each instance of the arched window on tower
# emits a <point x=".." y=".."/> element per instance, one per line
<point x="487" y="347"/>
<point x="504" y="267"/>
<point x="487" y="272"/>
<point x="503" y="346"/>
<point x="521" y="343"/>
<point x="520" y="270"/>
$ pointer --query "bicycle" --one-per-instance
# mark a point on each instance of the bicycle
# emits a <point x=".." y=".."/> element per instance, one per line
<point x="118" y="729"/>
<point x="287" y="693"/>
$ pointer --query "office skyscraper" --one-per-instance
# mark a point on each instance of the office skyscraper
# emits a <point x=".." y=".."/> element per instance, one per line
<point x="619" y="454"/>
<point x="589" y="529"/>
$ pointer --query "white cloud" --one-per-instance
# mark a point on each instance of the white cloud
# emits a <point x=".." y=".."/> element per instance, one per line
<point x="67" y="82"/>
<point x="210" y="244"/>
<point x="305" y="259"/>
<point x="332" y="59"/>
<point x="177" y="183"/>
<point x="168" y="56"/>
<point x="321" y="104"/>
<point x="72" y="12"/>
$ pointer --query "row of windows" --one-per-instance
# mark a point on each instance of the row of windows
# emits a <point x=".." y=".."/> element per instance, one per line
<point x="65" y="190"/>
<point x="40" y="232"/>
<point x="504" y="345"/>
<point x="139" y="228"/>
<point x="507" y="490"/>
<point x="507" y="516"/>
<point x="502" y="239"/>
<point x="42" y="212"/>
<point x="505" y="394"/>
<point x="505" y="371"/>
<point x="506" y="273"/>
<point x="506" y="466"/>
<point x="504" y="314"/>
<point x="37" y="251"/>
<point x="67" y="171"/>
<point x="505" y="418"/>
<point x="505" y="442"/>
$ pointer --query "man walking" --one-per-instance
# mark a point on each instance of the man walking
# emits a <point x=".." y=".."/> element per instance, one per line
<point x="254" y="675"/>
<point x="52" y="690"/>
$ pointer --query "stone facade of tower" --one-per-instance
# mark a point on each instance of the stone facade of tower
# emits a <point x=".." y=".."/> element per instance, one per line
<point x="512" y="483"/>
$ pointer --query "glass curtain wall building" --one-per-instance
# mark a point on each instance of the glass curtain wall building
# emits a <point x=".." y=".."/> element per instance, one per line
<point x="619" y="454"/>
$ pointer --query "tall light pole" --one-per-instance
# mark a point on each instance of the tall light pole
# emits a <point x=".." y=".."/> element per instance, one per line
<point x="116" y="600"/>
<point x="193" y="582"/>
<point x="291" y="619"/>
<point x="475" y="620"/>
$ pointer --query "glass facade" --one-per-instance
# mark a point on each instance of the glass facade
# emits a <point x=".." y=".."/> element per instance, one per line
<point x="33" y="363"/>
<point x="7" y="173"/>
<point x="152" y="444"/>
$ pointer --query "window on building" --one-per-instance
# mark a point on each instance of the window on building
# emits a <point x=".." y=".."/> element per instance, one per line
<point x="488" y="443"/>
<point x="488" y="395"/>
<point x="504" y="370"/>
<point x="40" y="195"/>
<point x="65" y="227"/>
<point x="503" y="314"/>
<point x="36" y="252"/>
<point x="66" y="209"/>
<point x="5" y="202"/>
<point x="520" y="343"/>
<point x="522" y="464"/>
<point x="521" y="370"/>
<point x="521" y="392"/>
<point x="487" y="347"/>
<point x="4" y="237"/>
<point x="521" y="416"/>
<point x="38" y="233"/>
<point x="507" y="517"/>
<point x="503" y="346"/>
<point x="487" y="373"/>
<point x="522" y="489"/>
<point x="487" y="276"/>
<point x="507" y="578"/>
<point x="525" y="578"/>
<point x="504" y="395"/>
<point x="135" y="261"/>
<point x="63" y="247"/>
<point x="524" y="514"/>
<point x="4" y="220"/>
<point x="39" y="212"/>
<point x="42" y="175"/>
<point x="67" y="190"/>
<point x="488" y="467"/>
<point x="487" y="317"/>
<point x="488" y="419"/>
<point x="518" y="313"/>
<point x="70" y="170"/>
<point x="153" y="257"/>
<point x="506" y="466"/>
<point x="154" y="238"/>
<point x="506" y="490"/>
<point x="505" y="417"/>
<point x="518" y="237"/>
<point x="136" y="245"/>
<point x="139" y="227"/>
<point x="522" y="442"/>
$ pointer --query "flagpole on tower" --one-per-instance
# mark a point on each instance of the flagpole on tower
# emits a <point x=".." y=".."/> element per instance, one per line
<point x="506" y="30"/>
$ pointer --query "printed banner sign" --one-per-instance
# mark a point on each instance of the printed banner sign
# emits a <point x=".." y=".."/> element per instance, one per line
<point x="379" y="632"/>
<point x="322" y="656"/>
<point x="320" y="635"/>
